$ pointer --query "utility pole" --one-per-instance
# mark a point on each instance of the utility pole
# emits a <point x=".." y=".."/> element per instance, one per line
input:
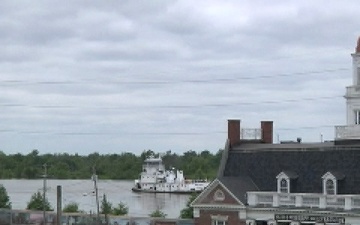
<point x="94" y="178"/>
<point x="59" y="204"/>
<point x="44" y="193"/>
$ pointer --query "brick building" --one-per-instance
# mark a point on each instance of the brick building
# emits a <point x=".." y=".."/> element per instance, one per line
<point x="261" y="182"/>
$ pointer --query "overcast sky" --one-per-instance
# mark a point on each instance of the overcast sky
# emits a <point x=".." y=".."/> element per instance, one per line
<point x="128" y="76"/>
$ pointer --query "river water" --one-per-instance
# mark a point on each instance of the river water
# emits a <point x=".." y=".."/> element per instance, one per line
<point x="82" y="192"/>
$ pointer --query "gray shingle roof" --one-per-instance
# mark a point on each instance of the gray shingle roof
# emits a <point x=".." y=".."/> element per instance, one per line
<point x="239" y="185"/>
<point x="255" y="167"/>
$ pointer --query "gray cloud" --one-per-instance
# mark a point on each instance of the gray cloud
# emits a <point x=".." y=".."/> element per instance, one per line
<point x="133" y="75"/>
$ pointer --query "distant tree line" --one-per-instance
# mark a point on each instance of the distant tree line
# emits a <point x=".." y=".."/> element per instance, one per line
<point x="121" y="166"/>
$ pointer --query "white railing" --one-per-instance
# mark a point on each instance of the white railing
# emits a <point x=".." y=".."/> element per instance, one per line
<point x="352" y="90"/>
<point x="321" y="201"/>
<point x="347" y="132"/>
<point x="250" y="134"/>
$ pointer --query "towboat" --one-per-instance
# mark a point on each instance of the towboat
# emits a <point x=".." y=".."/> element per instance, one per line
<point x="155" y="178"/>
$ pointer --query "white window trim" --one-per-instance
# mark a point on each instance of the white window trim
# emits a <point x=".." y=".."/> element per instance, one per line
<point x="250" y="222"/>
<point x="217" y="219"/>
<point x="279" y="178"/>
<point x="329" y="176"/>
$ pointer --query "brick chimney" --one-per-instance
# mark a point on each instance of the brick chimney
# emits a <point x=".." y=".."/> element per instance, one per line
<point x="357" y="49"/>
<point x="234" y="132"/>
<point x="267" y="132"/>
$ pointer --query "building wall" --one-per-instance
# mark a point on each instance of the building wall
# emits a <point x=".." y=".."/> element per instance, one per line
<point x="233" y="217"/>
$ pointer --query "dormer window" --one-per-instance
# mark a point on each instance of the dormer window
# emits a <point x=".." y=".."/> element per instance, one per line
<point x="284" y="187"/>
<point x="330" y="187"/>
<point x="284" y="180"/>
<point x="330" y="182"/>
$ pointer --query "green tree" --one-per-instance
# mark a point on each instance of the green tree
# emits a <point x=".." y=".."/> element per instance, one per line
<point x="37" y="203"/>
<point x="121" y="209"/>
<point x="4" y="198"/>
<point x="158" y="213"/>
<point x="71" y="207"/>
<point x="147" y="154"/>
<point x="188" y="212"/>
<point x="66" y="166"/>
<point x="106" y="206"/>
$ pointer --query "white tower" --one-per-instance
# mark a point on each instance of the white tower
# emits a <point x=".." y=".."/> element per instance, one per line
<point x="352" y="128"/>
<point x="353" y="92"/>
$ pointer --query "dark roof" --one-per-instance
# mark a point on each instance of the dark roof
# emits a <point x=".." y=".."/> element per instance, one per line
<point x="291" y="174"/>
<point x="338" y="175"/>
<point x="239" y="185"/>
<point x="304" y="163"/>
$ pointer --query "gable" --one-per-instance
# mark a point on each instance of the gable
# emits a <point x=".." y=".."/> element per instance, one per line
<point x="216" y="194"/>
<point x="287" y="175"/>
<point x="333" y="175"/>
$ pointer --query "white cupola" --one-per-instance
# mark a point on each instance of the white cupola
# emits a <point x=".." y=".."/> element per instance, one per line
<point x="352" y="128"/>
<point x="353" y="92"/>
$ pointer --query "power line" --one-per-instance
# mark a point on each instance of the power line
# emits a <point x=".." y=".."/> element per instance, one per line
<point x="199" y="133"/>
<point x="307" y="99"/>
<point x="305" y="128"/>
<point x="166" y="82"/>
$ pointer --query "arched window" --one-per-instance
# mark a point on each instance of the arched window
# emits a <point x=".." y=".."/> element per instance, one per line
<point x="284" y="187"/>
<point x="330" y="182"/>
<point x="284" y="181"/>
<point x="357" y="116"/>
<point x="330" y="187"/>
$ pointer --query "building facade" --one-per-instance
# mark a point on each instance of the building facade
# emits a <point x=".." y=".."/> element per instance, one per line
<point x="292" y="183"/>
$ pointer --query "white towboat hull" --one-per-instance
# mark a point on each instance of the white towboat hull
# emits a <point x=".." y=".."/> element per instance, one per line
<point x="154" y="191"/>
<point x="154" y="178"/>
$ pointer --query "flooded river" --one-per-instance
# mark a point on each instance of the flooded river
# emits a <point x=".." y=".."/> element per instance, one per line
<point x="82" y="192"/>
